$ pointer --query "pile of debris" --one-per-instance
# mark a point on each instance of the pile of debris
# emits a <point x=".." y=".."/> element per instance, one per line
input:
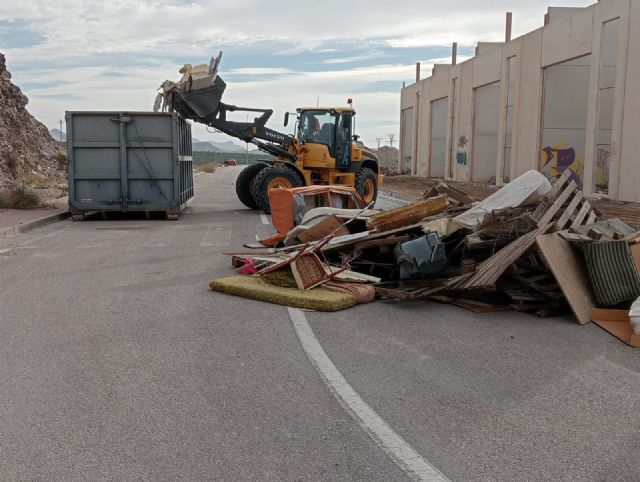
<point x="530" y="246"/>
<point x="388" y="158"/>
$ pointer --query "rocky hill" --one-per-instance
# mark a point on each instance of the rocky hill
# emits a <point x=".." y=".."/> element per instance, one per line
<point x="26" y="147"/>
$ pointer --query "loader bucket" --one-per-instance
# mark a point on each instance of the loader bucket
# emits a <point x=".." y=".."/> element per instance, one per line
<point x="197" y="103"/>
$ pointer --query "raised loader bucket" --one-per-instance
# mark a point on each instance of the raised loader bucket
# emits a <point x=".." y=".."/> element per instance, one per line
<point x="194" y="102"/>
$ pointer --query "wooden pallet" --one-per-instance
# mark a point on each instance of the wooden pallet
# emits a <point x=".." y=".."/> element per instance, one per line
<point x="563" y="205"/>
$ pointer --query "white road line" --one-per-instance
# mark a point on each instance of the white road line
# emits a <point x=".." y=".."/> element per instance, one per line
<point x="264" y="218"/>
<point x="403" y="455"/>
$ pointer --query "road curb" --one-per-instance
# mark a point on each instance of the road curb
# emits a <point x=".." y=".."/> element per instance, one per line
<point x="13" y="231"/>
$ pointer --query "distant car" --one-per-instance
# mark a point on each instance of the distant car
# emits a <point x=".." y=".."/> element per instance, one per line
<point x="230" y="162"/>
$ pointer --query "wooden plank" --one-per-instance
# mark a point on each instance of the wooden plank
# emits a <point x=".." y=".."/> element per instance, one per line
<point x="557" y="204"/>
<point x="384" y="234"/>
<point x="592" y="218"/>
<point x="320" y="230"/>
<point x="581" y="215"/>
<point x="490" y="270"/>
<point x="560" y="224"/>
<point x="374" y="243"/>
<point x="635" y="253"/>
<point x="458" y="196"/>
<point x="394" y="294"/>
<point x="567" y="236"/>
<point x="569" y="271"/>
<point x="475" y="243"/>
<point x="407" y="215"/>
<point x="618" y="324"/>
<point x="609" y="314"/>
<point x="555" y="189"/>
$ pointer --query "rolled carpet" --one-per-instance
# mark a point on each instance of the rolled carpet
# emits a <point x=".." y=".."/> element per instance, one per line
<point x="260" y="288"/>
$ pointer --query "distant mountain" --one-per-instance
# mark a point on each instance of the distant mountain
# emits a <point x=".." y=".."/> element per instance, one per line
<point x="229" y="146"/>
<point x="198" y="145"/>
<point x="202" y="146"/>
<point x="210" y="146"/>
<point x="57" y="135"/>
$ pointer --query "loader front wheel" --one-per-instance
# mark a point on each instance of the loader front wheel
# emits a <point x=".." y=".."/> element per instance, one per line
<point x="273" y="178"/>
<point x="367" y="185"/>
<point x="245" y="181"/>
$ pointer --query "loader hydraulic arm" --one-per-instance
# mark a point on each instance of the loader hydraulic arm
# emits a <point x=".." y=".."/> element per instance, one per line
<point x="199" y="99"/>
<point x="267" y="140"/>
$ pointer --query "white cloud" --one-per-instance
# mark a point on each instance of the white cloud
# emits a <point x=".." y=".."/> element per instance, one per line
<point x="354" y="58"/>
<point x="260" y="71"/>
<point x="113" y="55"/>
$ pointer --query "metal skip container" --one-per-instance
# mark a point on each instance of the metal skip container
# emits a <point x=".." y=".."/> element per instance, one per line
<point x="129" y="161"/>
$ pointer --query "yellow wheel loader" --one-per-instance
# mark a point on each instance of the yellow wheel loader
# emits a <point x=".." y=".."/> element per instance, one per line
<point x="322" y="150"/>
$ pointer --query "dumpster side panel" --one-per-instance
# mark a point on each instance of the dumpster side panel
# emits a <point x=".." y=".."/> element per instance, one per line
<point x="128" y="161"/>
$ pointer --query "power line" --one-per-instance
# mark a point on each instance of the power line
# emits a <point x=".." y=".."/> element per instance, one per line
<point x="391" y="139"/>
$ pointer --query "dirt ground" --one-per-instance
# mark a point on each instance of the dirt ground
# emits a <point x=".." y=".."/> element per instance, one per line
<point x="412" y="188"/>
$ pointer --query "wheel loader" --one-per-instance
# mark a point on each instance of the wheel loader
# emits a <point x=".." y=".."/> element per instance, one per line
<point x="323" y="149"/>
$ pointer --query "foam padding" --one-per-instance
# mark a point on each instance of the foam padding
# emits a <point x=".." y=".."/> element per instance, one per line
<point x="257" y="288"/>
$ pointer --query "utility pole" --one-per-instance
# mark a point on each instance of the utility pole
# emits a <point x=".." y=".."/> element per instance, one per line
<point x="391" y="138"/>
<point x="378" y="139"/>
<point x="60" y="135"/>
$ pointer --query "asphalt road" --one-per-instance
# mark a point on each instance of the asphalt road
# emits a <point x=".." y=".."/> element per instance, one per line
<point x="117" y="362"/>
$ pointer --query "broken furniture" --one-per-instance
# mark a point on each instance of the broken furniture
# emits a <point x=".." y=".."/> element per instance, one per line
<point x="424" y="256"/>
<point x="289" y="206"/>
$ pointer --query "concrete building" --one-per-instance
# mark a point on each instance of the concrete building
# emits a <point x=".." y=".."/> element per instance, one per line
<point x="565" y="96"/>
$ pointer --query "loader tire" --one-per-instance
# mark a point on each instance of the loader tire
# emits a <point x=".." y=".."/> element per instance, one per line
<point x="270" y="178"/>
<point x="367" y="185"/>
<point x="244" y="182"/>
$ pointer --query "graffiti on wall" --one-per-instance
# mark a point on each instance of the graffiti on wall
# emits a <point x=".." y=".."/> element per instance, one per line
<point x="461" y="154"/>
<point x="604" y="157"/>
<point x="557" y="159"/>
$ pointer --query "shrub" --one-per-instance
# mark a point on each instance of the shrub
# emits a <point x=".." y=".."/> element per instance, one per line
<point x="208" y="167"/>
<point x="62" y="159"/>
<point x="34" y="181"/>
<point x="64" y="191"/>
<point x="13" y="162"/>
<point x="21" y="197"/>
<point x="3" y="201"/>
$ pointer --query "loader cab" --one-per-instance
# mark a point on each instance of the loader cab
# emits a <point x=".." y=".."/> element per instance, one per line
<point x="331" y="127"/>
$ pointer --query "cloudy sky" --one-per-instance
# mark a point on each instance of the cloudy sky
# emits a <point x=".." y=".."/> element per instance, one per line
<point x="279" y="54"/>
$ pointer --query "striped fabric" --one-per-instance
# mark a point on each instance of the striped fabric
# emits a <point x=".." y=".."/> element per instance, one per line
<point x="614" y="277"/>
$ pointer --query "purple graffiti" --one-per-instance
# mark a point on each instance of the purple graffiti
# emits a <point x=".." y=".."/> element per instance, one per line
<point x="563" y="160"/>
